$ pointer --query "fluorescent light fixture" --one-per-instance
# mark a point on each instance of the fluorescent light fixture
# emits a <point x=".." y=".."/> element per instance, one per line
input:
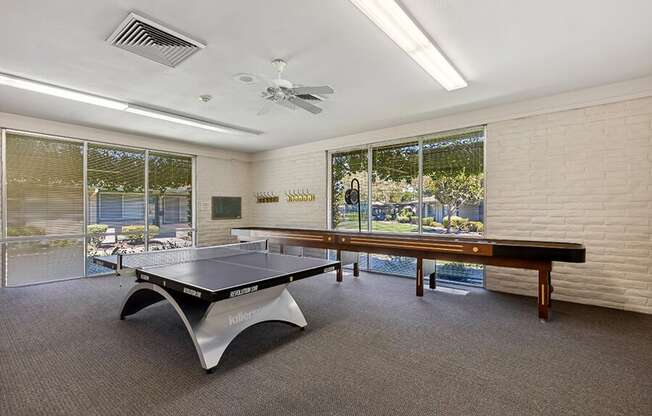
<point x="396" y="24"/>
<point x="162" y="115"/>
<point x="43" y="88"/>
<point x="26" y="84"/>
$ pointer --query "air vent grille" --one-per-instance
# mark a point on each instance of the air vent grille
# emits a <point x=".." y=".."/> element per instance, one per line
<point x="152" y="40"/>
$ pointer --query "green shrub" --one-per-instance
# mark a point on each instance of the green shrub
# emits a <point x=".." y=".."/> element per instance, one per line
<point x="403" y="219"/>
<point x="63" y="243"/>
<point x="94" y="229"/>
<point x="96" y="233"/>
<point x="456" y="222"/>
<point x="154" y="230"/>
<point x="25" y="230"/>
<point x="430" y="222"/>
<point x="406" y="212"/>
<point x="475" y="226"/>
<point x="472" y="226"/>
<point x="137" y="232"/>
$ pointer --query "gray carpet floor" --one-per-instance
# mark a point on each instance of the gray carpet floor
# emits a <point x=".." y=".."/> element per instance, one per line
<point x="371" y="348"/>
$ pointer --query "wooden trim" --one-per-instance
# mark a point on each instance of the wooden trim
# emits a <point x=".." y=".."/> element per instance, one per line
<point x="419" y="276"/>
<point x="543" y="298"/>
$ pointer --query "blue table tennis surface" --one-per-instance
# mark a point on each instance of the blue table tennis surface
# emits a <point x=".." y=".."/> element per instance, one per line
<point x="223" y="273"/>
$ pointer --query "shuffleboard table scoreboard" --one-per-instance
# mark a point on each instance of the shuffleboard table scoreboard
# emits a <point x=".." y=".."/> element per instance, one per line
<point x="534" y="255"/>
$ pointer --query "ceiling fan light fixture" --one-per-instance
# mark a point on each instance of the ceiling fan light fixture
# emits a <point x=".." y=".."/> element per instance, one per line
<point x="395" y="22"/>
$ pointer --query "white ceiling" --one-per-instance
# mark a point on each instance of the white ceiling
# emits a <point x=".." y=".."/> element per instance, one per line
<point x="508" y="50"/>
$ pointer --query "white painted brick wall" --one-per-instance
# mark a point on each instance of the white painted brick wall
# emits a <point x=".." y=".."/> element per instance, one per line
<point x="582" y="176"/>
<point x="282" y="175"/>
<point x="220" y="177"/>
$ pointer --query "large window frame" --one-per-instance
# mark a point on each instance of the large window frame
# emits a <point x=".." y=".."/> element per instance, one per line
<point x="420" y="139"/>
<point x="83" y="234"/>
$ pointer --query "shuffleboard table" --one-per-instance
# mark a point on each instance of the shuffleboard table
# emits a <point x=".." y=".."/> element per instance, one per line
<point x="521" y="254"/>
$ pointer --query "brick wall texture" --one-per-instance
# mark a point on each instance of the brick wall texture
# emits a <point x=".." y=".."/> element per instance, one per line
<point x="307" y="171"/>
<point x="220" y="177"/>
<point x="581" y="176"/>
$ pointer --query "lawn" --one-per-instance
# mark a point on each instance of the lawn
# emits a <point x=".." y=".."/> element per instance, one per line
<point x="387" y="226"/>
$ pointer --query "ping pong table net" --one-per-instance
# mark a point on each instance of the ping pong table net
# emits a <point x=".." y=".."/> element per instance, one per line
<point x="184" y="255"/>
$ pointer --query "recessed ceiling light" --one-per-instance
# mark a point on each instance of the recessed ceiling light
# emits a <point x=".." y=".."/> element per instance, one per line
<point x="396" y="24"/>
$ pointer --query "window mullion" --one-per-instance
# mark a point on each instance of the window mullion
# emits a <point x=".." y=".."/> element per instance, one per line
<point x="146" y="228"/>
<point x="420" y="185"/>
<point x="369" y="186"/>
<point x="85" y="196"/>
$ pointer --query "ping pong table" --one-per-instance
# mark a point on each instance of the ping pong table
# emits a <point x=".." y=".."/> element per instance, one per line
<point x="217" y="291"/>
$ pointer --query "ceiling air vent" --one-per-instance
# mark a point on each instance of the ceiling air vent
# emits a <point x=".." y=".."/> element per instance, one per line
<point x="154" y="41"/>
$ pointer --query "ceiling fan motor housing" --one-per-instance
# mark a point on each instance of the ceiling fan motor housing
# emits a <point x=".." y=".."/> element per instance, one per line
<point x="279" y="64"/>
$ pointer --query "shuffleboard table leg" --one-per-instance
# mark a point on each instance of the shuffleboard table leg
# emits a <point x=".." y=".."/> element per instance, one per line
<point x="339" y="271"/>
<point x="419" y="276"/>
<point x="544" y="301"/>
<point x="432" y="279"/>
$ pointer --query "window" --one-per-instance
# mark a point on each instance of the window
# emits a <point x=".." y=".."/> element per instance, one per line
<point x="116" y="201"/>
<point x="453" y="196"/>
<point x="110" y="206"/>
<point x="395" y="188"/>
<point x="432" y="184"/>
<point x="172" y="207"/>
<point x="170" y="201"/>
<point x="45" y="209"/>
<point x="453" y="190"/>
<point x="69" y="200"/>
<point x="345" y="167"/>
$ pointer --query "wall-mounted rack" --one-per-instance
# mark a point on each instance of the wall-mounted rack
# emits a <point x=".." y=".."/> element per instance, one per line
<point x="265" y="197"/>
<point x="302" y="195"/>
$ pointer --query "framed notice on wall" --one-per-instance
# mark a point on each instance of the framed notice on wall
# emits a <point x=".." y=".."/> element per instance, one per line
<point x="226" y="207"/>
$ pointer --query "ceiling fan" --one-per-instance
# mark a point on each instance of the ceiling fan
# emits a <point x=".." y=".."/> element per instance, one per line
<point x="287" y="94"/>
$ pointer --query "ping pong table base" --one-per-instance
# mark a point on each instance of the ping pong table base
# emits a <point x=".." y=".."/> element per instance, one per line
<point x="213" y="325"/>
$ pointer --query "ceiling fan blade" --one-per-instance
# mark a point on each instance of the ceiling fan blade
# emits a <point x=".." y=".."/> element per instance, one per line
<point x="265" y="108"/>
<point x="305" y="105"/>
<point x="312" y="90"/>
<point x="285" y="103"/>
